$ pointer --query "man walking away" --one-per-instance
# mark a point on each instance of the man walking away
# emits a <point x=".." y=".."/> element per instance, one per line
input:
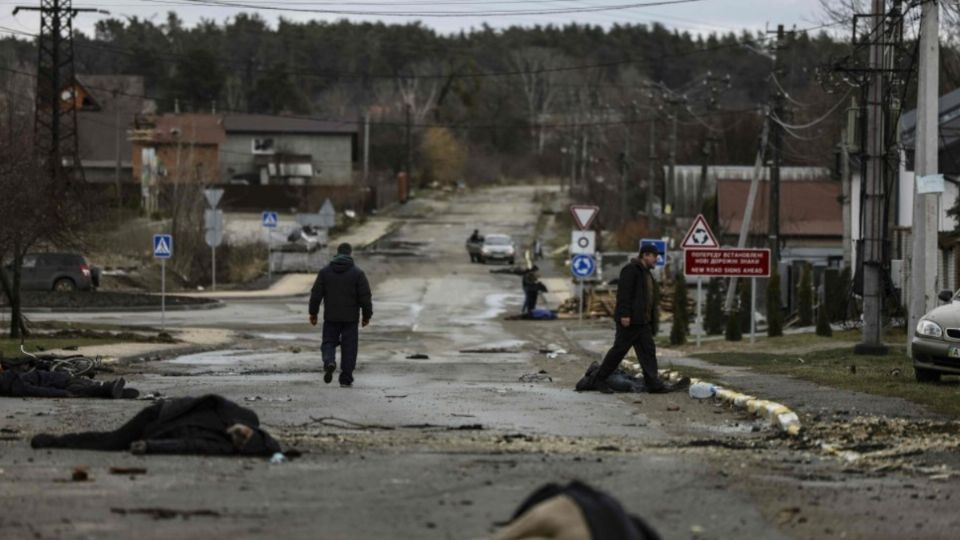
<point x="636" y="320"/>
<point x="345" y="293"/>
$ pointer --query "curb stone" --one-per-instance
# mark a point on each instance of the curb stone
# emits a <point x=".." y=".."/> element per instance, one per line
<point x="777" y="414"/>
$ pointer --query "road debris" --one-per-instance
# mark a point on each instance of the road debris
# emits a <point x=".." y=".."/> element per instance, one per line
<point x="418" y="356"/>
<point x="166" y="513"/>
<point x="80" y="474"/>
<point x="128" y="470"/>
<point x="540" y="376"/>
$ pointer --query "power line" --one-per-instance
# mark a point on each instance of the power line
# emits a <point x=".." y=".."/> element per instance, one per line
<point x="490" y="13"/>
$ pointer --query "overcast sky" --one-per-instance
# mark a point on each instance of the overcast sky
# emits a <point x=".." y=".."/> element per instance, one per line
<point x="695" y="16"/>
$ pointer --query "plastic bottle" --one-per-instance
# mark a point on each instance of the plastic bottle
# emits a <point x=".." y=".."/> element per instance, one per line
<point x="702" y="390"/>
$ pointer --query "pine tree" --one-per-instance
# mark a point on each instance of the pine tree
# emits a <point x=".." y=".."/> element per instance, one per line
<point x="713" y="321"/>
<point x="805" y="297"/>
<point x="680" y="330"/>
<point x="774" y="315"/>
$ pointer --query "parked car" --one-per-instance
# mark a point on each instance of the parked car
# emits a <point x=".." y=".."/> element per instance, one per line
<point x="936" y="340"/>
<point x="58" y="272"/>
<point x="498" y="247"/>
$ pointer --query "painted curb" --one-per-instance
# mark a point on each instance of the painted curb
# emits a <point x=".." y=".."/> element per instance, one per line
<point x="777" y="414"/>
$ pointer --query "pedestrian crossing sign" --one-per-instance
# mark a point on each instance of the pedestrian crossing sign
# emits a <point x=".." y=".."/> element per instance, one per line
<point x="269" y="219"/>
<point x="162" y="246"/>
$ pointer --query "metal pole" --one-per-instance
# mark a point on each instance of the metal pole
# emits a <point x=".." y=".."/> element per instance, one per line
<point x="214" y="284"/>
<point x="699" y="300"/>
<point x="163" y="294"/>
<point x="580" y="316"/>
<point x="753" y="309"/>
<point x="923" y="272"/>
<point x="366" y="146"/>
<point x="269" y="259"/>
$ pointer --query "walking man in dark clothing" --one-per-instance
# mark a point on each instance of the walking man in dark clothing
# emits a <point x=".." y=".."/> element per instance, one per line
<point x="531" y="289"/>
<point x="345" y="293"/>
<point x="636" y="320"/>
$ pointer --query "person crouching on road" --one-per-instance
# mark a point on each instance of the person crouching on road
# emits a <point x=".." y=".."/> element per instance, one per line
<point x="345" y="293"/>
<point x="636" y="321"/>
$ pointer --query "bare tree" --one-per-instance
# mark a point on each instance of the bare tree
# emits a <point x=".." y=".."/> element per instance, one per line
<point x="539" y="80"/>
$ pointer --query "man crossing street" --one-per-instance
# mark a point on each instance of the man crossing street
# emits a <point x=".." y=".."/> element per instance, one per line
<point x="636" y="320"/>
<point x="343" y="290"/>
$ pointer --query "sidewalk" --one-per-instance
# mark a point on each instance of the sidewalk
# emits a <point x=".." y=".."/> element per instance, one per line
<point x="299" y="284"/>
<point x="595" y="336"/>
<point x="192" y="338"/>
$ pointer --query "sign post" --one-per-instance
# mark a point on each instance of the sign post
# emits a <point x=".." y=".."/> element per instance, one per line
<point x="269" y="221"/>
<point x="582" y="267"/>
<point x="703" y="257"/>
<point x="163" y="250"/>
<point x="213" y="223"/>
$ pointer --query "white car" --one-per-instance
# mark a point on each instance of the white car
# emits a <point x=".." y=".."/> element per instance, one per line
<point x="498" y="247"/>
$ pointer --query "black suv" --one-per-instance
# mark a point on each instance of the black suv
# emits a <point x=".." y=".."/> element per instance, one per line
<point x="58" y="272"/>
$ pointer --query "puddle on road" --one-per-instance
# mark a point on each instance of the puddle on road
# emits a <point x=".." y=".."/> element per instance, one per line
<point x="496" y="304"/>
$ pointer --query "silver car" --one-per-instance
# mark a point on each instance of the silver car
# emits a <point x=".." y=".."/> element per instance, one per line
<point x="498" y="247"/>
<point x="936" y="340"/>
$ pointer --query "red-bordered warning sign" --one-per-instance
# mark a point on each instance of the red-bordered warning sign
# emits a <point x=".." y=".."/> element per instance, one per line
<point x="700" y="236"/>
<point x="727" y="262"/>
<point x="584" y="215"/>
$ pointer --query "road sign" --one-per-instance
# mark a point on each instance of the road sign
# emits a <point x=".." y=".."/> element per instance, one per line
<point x="269" y="219"/>
<point x="583" y="266"/>
<point x="700" y="236"/>
<point x="213" y="237"/>
<point x="162" y="246"/>
<point x="583" y="242"/>
<point x="727" y="262"/>
<point x="213" y="196"/>
<point x="584" y="215"/>
<point x="328" y="215"/>
<point x="661" y="246"/>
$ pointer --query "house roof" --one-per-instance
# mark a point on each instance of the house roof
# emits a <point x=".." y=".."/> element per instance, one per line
<point x="808" y="208"/>
<point x="189" y="128"/>
<point x="948" y="121"/>
<point x="265" y="123"/>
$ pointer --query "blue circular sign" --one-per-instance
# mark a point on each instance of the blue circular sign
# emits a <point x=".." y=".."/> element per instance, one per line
<point x="583" y="266"/>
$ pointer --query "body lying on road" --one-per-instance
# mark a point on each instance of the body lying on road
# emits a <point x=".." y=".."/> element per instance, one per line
<point x="207" y="425"/>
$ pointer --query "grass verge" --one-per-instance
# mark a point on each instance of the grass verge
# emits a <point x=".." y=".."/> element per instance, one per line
<point x="890" y="375"/>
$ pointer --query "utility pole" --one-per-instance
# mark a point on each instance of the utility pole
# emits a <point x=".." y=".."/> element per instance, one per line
<point x="409" y="164"/>
<point x="670" y="190"/>
<point x="624" y="169"/>
<point x="777" y="151"/>
<point x="923" y="272"/>
<point x="873" y="193"/>
<point x="55" y="113"/>
<point x="366" y="145"/>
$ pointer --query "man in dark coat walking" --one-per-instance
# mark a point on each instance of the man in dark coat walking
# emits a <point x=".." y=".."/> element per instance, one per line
<point x="636" y="320"/>
<point x="345" y="293"/>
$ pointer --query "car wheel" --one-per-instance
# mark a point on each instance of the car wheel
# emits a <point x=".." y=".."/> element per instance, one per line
<point x="480" y="260"/>
<point x="64" y="285"/>
<point x="510" y="261"/>
<point x="926" y="375"/>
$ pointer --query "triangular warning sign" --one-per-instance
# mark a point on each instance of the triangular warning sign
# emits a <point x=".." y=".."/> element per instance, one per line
<point x="699" y="236"/>
<point x="162" y="248"/>
<point x="584" y="215"/>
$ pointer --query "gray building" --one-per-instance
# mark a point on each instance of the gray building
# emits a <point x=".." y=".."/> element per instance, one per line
<point x="282" y="150"/>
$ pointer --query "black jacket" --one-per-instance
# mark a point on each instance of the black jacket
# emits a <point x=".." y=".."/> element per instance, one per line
<point x="344" y="291"/>
<point x="632" y="295"/>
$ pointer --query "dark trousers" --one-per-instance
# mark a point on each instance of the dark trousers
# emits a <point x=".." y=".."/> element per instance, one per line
<point x="346" y="335"/>
<point x="529" y="299"/>
<point x="640" y="337"/>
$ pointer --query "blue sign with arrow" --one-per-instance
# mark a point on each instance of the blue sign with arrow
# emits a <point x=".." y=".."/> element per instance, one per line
<point x="583" y="266"/>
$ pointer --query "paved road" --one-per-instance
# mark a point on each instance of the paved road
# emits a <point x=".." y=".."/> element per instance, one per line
<point x="442" y="447"/>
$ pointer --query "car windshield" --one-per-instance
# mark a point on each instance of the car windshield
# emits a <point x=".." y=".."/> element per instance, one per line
<point x="497" y="240"/>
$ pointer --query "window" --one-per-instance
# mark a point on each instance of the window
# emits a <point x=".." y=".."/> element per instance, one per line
<point x="262" y="146"/>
